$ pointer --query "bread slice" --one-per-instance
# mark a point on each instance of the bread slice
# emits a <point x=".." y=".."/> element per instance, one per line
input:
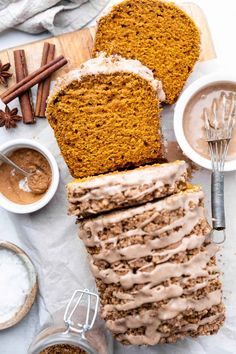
<point x="156" y="270"/>
<point x="158" y="33"/>
<point x="105" y="116"/>
<point x="95" y="195"/>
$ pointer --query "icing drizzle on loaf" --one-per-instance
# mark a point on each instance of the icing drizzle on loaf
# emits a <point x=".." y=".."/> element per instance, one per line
<point x="185" y="231"/>
<point x="109" y="65"/>
<point x="114" y="191"/>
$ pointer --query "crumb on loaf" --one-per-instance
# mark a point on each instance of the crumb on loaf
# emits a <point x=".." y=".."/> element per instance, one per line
<point x="156" y="270"/>
<point x="99" y="194"/>
<point x="106" y="121"/>
<point x="158" y="33"/>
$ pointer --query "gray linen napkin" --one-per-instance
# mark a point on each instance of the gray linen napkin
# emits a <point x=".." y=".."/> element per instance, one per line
<point x="55" y="16"/>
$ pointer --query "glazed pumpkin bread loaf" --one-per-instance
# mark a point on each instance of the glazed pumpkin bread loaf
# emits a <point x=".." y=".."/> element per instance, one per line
<point x="156" y="270"/>
<point x="158" y="33"/>
<point x="105" y="116"/>
<point x="94" y="195"/>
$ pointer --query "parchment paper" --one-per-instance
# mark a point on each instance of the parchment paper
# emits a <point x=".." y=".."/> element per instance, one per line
<point x="50" y="239"/>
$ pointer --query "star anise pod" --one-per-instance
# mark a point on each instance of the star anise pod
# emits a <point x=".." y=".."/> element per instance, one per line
<point x="4" y="74"/>
<point x="9" y="117"/>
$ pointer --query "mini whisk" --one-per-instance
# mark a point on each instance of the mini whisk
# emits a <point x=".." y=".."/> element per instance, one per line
<point x="219" y="122"/>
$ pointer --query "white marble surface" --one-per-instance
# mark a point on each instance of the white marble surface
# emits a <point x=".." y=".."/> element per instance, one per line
<point x="221" y="18"/>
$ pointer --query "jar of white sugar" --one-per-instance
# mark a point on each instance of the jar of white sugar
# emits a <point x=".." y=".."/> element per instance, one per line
<point x="75" y="330"/>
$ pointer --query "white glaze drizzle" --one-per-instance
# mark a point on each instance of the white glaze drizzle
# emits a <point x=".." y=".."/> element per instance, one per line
<point x="108" y="65"/>
<point x="90" y="228"/>
<point x="195" y="267"/>
<point x="175" y="306"/>
<point x="151" y="322"/>
<point x="110" y="275"/>
<point x="141" y="250"/>
<point x="154" y="294"/>
<point x="179" y="296"/>
<point x="149" y="294"/>
<point x="207" y="320"/>
<point x="110" y="185"/>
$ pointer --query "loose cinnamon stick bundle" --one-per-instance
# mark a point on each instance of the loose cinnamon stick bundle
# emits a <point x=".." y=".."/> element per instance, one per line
<point x="44" y="86"/>
<point x="32" y="79"/>
<point x="26" y="98"/>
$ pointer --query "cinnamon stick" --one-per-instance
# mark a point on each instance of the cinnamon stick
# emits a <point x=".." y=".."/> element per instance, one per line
<point x="44" y="86"/>
<point x="26" y="98"/>
<point x="33" y="79"/>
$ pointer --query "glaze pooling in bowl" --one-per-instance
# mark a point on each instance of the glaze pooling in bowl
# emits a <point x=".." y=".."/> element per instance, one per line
<point x="193" y="120"/>
<point x="186" y="131"/>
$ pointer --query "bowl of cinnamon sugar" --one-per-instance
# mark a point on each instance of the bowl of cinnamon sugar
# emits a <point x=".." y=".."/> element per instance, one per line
<point x="26" y="194"/>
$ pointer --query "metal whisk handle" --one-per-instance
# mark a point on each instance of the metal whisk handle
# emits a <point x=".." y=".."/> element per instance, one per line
<point x="217" y="200"/>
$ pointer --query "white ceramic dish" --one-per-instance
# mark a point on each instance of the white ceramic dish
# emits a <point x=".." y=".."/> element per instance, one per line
<point x="195" y="87"/>
<point x="9" y="147"/>
<point x="30" y="298"/>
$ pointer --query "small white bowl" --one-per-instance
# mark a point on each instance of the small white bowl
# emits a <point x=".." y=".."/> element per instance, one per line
<point x="13" y="145"/>
<point x="184" y="99"/>
<point x="32" y="274"/>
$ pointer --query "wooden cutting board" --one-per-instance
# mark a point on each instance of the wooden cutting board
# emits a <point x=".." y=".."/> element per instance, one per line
<point x="77" y="46"/>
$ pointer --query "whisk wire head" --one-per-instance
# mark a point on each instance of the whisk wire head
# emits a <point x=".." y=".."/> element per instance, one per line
<point x="219" y="122"/>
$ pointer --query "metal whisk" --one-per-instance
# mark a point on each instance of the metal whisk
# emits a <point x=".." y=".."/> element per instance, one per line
<point x="219" y="122"/>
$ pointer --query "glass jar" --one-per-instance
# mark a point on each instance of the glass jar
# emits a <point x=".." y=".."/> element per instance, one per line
<point x="80" y="327"/>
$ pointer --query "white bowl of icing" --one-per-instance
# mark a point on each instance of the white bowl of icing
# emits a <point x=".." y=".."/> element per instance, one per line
<point x="11" y="206"/>
<point x="179" y="116"/>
